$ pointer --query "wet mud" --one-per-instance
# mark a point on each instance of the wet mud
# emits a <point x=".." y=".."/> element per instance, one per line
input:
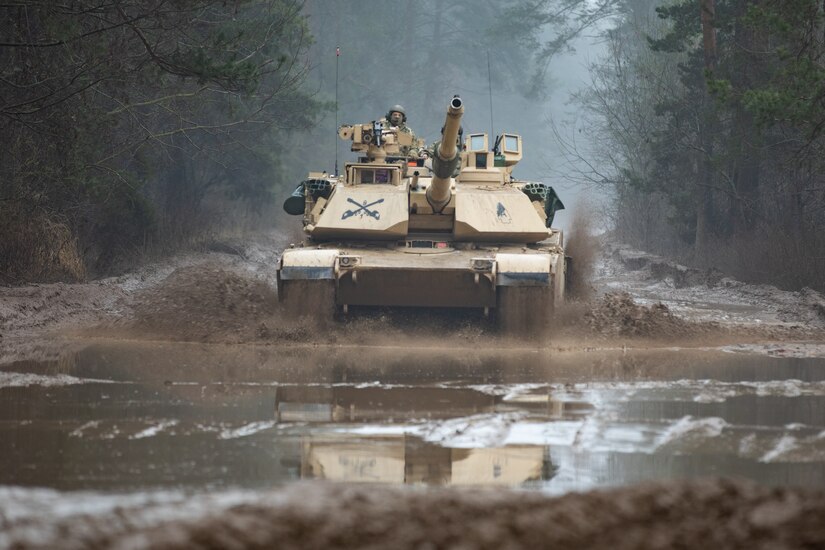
<point x="204" y="303"/>
<point x="220" y="298"/>
<point x="713" y="514"/>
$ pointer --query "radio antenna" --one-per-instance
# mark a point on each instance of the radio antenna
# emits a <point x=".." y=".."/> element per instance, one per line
<point x="490" y="85"/>
<point x="337" y="56"/>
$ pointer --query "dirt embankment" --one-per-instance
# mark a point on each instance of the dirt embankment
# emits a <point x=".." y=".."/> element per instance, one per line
<point x="708" y="514"/>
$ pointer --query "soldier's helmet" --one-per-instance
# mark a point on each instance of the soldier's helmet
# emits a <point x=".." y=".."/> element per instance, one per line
<point x="398" y="109"/>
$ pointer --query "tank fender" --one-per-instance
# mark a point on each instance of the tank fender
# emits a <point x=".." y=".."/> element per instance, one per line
<point x="523" y="270"/>
<point x="308" y="264"/>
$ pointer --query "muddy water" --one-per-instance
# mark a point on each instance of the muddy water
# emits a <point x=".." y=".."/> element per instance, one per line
<point x="125" y="416"/>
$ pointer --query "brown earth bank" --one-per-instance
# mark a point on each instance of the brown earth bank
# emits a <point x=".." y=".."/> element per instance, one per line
<point x="718" y="514"/>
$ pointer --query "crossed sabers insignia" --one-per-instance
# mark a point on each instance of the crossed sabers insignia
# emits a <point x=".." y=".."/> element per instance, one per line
<point x="362" y="209"/>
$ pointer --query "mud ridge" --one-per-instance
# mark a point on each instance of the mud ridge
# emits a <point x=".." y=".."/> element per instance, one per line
<point x="205" y="302"/>
<point x="617" y="314"/>
<point x="716" y="514"/>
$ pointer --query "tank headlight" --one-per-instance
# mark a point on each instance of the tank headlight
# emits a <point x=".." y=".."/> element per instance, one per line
<point x="482" y="264"/>
<point x="347" y="261"/>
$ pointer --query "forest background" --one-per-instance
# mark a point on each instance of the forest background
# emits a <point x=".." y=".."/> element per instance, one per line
<point x="132" y="129"/>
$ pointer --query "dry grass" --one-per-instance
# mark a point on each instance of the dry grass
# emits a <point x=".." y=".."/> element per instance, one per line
<point x="38" y="248"/>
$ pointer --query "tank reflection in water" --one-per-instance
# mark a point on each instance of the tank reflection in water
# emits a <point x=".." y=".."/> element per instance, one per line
<point x="127" y="416"/>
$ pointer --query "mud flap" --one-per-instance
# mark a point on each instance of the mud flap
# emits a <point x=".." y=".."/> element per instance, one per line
<point x="524" y="310"/>
<point x="306" y="284"/>
<point x="525" y="294"/>
<point x="312" y="299"/>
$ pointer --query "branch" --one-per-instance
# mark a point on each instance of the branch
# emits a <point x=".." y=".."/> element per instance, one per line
<point x="72" y="39"/>
<point x="126" y="107"/>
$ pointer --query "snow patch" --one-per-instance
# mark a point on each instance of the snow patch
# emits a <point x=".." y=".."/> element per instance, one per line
<point x="247" y="429"/>
<point x="25" y="379"/>
<point x="154" y="430"/>
<point x="785" y="444"/>
<point x="78" y="432"/>
<point x="472" y="432"/>
<point x="507" y="391"/>
<point x="689" y="427"/>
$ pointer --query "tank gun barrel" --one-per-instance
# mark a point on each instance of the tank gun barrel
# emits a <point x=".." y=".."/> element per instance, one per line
<point x="446" y="156"/>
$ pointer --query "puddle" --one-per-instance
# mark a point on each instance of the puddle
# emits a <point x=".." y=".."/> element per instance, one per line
<point x="120" y="417"/>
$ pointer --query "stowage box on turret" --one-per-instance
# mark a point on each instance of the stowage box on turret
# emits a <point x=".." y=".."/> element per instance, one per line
<point x="454" y="230"/>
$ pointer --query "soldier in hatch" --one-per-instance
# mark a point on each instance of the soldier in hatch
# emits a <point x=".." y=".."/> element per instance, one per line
<point x="397" y="118"/>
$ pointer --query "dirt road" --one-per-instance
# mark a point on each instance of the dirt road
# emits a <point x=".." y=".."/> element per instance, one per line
<point x="176" y="408"/>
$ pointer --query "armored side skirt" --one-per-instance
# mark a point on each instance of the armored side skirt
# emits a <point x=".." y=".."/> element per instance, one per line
<point x="425" y="288"/>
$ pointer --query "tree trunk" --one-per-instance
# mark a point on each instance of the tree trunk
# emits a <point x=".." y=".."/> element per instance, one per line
<point x="746" y="146"/>
<point x="705" y="207"/>
<point x="708" y="14"/>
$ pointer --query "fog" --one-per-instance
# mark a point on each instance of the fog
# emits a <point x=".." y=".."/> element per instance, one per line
<point x="413" y="66"/>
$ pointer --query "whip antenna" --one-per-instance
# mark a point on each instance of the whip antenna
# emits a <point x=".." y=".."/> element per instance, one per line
<point x="490" y="85"/>
<point x="337" y="55"/>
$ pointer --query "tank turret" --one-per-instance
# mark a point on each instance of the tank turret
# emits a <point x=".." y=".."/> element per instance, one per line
<point x="446" y="157"/>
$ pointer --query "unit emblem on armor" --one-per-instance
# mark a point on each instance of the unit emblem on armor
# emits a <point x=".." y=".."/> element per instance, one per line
<point x="502" y="214"/>
<point x="362" y="210"/>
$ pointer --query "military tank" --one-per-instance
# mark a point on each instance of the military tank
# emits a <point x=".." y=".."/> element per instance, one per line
<point x="452" y="228"/>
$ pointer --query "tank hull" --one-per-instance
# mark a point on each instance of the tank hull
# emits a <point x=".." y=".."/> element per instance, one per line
<point x="426" y="273"/>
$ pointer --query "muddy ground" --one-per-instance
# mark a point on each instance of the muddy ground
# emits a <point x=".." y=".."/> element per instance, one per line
<point x="227" y="296"/>
<point x="709" y="514"/>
